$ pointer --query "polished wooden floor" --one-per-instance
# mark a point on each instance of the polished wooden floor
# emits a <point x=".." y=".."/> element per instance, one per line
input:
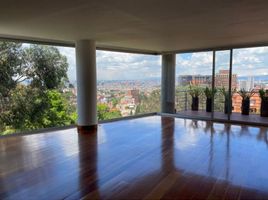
<point x="146" y="158"/>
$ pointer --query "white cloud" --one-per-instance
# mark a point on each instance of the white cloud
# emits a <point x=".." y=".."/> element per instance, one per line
<point x="250" y="61"/>
<point x="246" y="62"/>
<point x="194" y="63"/>
<point x="126" y="66"/>
<point x="117" y="66"/>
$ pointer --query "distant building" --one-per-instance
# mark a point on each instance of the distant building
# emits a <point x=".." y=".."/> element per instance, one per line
<point x="134" y="94"/>
<point x="184" y="80"/>
<point x="255" y="103"/>
<point x="247" y="84"/>
<point x="222" y="79"/>
<point x="250" y="83"/>
<point x="242" y="85"/>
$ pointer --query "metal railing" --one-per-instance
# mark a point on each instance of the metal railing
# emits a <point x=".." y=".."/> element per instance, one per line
<point x="184" y="101"/>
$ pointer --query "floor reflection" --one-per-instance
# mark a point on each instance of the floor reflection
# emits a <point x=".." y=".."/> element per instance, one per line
<point x="131" y="159"/>
<point x="262" y="136"/>
<point x="167" y="146"/>
<point x="209" y="129"/>
<point x="233" y="153"/>
<point x="88" y="161"/>
<point x="37" y="164"/>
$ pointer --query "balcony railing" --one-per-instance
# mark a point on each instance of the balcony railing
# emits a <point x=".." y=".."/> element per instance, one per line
<point x="184" y="101"/>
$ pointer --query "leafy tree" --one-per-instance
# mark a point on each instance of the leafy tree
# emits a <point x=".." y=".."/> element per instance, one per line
<point x="102" y="109"/>
<point x="43" y="66"/>
<point x="105" y="113"/>
<point x="25" y="108"/>
<point x="12" y="66"/>
<point x="112" y="114"/>
<point x="31" y="109"/>
<point x="149" y="103"/>
<point x="70" y="98"/>
<point x="57" y="112"/>
<point x="48" y="67"/>
<point x="31" y="81"/>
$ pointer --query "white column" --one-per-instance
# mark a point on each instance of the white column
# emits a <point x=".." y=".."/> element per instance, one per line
<point x="86" y="83"/>
<point x="168" y="83"/>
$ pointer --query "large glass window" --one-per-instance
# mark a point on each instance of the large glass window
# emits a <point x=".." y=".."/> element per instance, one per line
<point x="240" y="84"/>
<point x="250" y="67"/>
<point x="128" y="84"/>
<point x="37" y="87"/>
<point x="222" y="74"/>
<point x="194" y="84"/>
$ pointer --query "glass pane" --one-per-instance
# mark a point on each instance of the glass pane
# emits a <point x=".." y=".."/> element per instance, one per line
<point x="221" y="98"/>
<point x="38" y="87"/>
<point x="193" y="77"/>
<point x="250" y="66"/>
<point x="127" y="84"/>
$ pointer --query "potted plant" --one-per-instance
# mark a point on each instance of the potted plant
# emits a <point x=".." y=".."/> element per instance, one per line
<point x="209" y="93"/>
<point x="225" y="93"/>
<point x="245" y="100"/>
<point x="195" y="93"/>
<point x="264" y="102"/>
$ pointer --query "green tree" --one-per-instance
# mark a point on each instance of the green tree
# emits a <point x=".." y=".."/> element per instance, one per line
<point x="31" y="109"/>
<point x="43" y="66"/>
<point x="25" y="109"/>
<point x="112" y="114"/>
<point x="48" y="68"/>
<point x="149" y="103"/>
<point x="102" y="109"/>
<point x="31" y="81"/>
<point x="57" y="112"/>
<point x="105" y="113"/>
<point x="12" y="66"/>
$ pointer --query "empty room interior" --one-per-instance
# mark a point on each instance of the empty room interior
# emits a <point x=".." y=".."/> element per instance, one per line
<point x="133" y="99"/>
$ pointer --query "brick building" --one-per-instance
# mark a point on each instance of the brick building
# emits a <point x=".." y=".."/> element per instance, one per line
<point x="222" y="79"/>
<point x="255" y="103"/>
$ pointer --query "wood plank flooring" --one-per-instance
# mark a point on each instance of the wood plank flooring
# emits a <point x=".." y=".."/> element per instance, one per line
<point x="146" y="158"/>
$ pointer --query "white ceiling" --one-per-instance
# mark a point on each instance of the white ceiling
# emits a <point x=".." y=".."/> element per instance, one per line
<point x="152" y="25"/>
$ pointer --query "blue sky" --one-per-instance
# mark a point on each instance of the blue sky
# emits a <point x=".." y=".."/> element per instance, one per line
<point x="125" y="66"/>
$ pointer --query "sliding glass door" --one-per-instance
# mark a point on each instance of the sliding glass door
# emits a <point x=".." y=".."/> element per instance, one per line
<point x="222" y="85"/>
<point x="230" y="84"/>
<point x="250" y="66"/>
<point x="194" y="84"/>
